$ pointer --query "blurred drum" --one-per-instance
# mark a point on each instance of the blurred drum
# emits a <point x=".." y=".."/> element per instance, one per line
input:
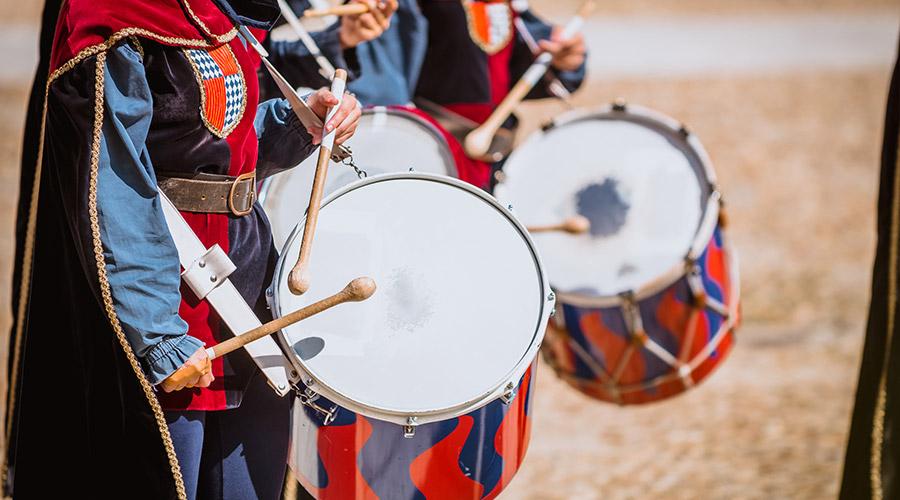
<point x="649" y="295"/>
<point x="423" y="390"/>
<point x="386" y="140"/>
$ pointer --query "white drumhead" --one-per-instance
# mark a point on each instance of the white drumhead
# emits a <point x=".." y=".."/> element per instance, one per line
<point x="460" y="308"/>
<point x="634" y="176"/>
<point x="386" y="140"/>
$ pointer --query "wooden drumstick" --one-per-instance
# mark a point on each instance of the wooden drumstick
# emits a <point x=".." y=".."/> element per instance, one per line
<point x="350" y="9"/>
<point x="326" y="68"/>
<point x="478" y="141"/>
<point x="577" y="224"/>
<point x="298" y="279"/>
<point x="357" y="290"/>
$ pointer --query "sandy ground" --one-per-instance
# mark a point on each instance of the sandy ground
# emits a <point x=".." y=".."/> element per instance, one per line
<point x="797" y="157"/>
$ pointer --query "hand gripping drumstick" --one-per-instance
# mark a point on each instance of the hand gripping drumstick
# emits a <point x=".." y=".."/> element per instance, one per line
<point x="478" y="141"/>
<point x="357" y="290"/>
<point x="349" y="9"/>
<point x="298" y="279"/>
<point x="577" y="224"/>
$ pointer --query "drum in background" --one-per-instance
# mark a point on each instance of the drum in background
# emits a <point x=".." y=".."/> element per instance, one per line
<point x="386" y="140"/>
<point x="424" y="390"/>
<point x="649" y="295"/>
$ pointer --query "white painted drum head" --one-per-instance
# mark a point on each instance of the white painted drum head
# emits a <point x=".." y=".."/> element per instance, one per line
<point x="386" y="140"/>
<point x="459" y="311"/>
<point x="641" y="182"/>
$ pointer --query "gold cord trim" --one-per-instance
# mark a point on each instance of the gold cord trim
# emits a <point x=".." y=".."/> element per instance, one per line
<point x="104" y="282"/>
<point x="130" y="32"/>
<point x="878" y="423"/>
<point x="24" y="289"/>
<point x="212" y="128"/>
<point x="219" y="38"/>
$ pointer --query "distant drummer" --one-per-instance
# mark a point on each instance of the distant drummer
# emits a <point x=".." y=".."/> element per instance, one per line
<point x="475" y="55"/>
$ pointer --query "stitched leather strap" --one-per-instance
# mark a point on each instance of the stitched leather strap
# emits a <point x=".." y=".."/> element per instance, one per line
<point x="212" y="194"/>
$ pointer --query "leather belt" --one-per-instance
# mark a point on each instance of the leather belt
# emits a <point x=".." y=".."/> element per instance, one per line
<point x="211" y="194"/>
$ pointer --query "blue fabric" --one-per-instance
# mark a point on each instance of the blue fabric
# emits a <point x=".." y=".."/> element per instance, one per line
<point x="283" y="140"/>
<point x="522" y="58"/>
<point x="292" y="59"/>
<point x="390" y="64"/>
<point x="141" y="259"/>
<point x="238" y="453"/>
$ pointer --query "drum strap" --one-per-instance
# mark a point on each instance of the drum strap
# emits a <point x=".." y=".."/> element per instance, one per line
<point x="206" y="272"/>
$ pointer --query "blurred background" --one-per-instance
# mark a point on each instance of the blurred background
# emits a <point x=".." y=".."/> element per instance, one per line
<point x="788" y="97"/>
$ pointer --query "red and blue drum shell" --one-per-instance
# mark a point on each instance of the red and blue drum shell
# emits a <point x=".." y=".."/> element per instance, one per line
<point x="596" y="352"/>
<point x="472" y="456"/>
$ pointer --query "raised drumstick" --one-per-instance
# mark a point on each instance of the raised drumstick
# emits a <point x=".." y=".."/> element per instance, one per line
<point x="326" y="68"/>
<point x="298" y="279"/>
<point x="577" y="224"/>
<point x="357" y="290"/>
<point x="349" y="9"/>
<point x="478" y="141"/>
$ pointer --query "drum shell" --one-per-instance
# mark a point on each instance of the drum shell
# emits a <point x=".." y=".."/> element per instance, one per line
<point x="593" y="348"/>
<point x="474" y="455"/>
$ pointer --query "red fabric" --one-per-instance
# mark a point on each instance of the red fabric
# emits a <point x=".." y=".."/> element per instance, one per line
<point x="83" y="23"/>
<point x="498" y="74"/>
<point x="212" y="229"/>
<point x="472" y="171"/>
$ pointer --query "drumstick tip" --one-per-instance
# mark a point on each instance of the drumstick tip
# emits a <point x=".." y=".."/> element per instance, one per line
<point x="298" y="281"/>
<point x="577" y="224"/>
<point x="360" y="289"/>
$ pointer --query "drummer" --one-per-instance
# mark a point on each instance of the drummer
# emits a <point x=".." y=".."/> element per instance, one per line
<point x="112" y="379"/>
<point x="475" y="56"/>
<point x="347" y="44"/>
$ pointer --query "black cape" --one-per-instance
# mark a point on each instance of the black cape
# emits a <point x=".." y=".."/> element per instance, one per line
<point x="873" y="450"/>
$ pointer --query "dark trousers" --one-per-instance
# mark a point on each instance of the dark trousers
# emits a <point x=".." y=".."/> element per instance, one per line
<point x="234" y="454"/>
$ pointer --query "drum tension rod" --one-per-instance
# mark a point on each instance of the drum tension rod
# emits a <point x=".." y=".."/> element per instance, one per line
<point x="409" y="430"/>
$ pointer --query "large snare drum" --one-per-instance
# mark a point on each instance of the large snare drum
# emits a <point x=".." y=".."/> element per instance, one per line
<point x="424" y="390"/>
<point x="649" y="295"/>
<point x="386" y="140"/>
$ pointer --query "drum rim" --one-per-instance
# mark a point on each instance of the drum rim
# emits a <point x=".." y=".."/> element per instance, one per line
<point x="430" y="128"/>
<point x="709" y="215"/>
<point x="507" y="384"/>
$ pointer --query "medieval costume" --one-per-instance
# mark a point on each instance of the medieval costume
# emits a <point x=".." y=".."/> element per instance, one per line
<point x="475" y="55"/>
<point x="872" y="462"/>
<point x="139" y="93"/>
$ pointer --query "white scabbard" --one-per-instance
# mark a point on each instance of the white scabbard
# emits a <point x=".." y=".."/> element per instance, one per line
<point x="206" y="272"/>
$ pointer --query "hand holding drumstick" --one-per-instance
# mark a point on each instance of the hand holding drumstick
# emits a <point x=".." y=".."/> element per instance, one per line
<point x="197" y="370"/>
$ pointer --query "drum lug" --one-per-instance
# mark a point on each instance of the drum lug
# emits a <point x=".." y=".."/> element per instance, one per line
<point x="551" y="298"/>
<point x="308" y="398"/>
<point x="508" y="394"/>
<point x="409" y="430"/>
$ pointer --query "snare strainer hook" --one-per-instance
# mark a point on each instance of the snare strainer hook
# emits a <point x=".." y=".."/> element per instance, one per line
<point x="362" y="174"/>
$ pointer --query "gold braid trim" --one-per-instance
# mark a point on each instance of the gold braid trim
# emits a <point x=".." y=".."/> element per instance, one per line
<point x="878" y="423"/>
<point x="104" y="282"/>
<point x="24" y="290"/>
<point x="219" y="38"/>
<point x="131" y="32"/>
<point x="223" y="133"/>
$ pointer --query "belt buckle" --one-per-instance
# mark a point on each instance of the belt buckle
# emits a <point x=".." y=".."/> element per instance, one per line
<point x="252" y="194"/>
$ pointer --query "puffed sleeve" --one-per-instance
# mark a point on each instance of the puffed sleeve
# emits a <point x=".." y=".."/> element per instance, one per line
<point x="141" y="259"/>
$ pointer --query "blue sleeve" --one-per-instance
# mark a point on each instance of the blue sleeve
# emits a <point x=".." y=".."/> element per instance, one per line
<point x="390" y="64"/>
<point x="141" y="259"/>
<point x="283" y="140"/>
<point x="293" y="60"/>
<point x="522" y="58"/>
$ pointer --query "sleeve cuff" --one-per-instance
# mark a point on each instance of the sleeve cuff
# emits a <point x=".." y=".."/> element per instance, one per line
<point x="330" y="44"/>
<point x="168" y="356"/>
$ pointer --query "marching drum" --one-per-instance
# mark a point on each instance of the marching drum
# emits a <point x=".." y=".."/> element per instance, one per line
<point x="423" y="390"/>
<point x="386" y="140"/>
<point x="649" y="294"/>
